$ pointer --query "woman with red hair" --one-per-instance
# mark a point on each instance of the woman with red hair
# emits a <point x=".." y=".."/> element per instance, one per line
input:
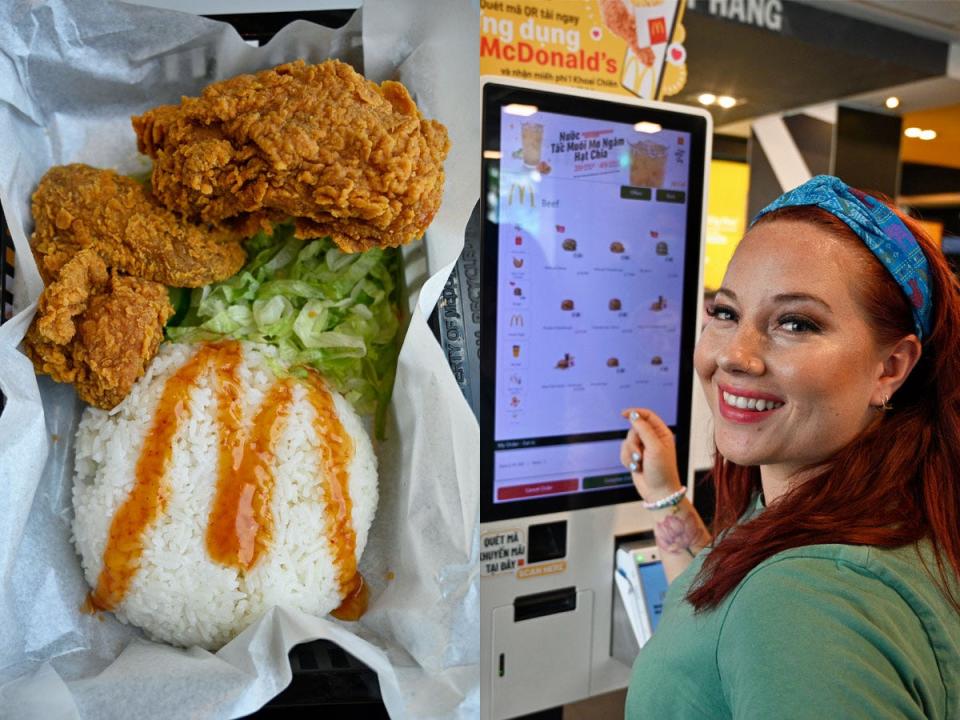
<point x="831" y="585"/>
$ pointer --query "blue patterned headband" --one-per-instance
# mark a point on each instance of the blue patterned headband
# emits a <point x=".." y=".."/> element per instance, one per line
<point x="879" y="228"/>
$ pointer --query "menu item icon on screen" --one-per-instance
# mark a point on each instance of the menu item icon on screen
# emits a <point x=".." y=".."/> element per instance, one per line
<point x="518" y="262"/>
<point x="617" y="247"/>
<point x="565" y="363"/>
<point x="532" y="137"/>
<point x="570" y="245"/>
<point x="516" y="321"/>
<point x="615" y="304"/>
<point x="518" y="240"/>
<point x="648" y="164"/>
<point x="660" y="304"/>
<point x="518" y="292"/>
<point x="516" y="351"/>
<point x="514" y="401"/>
<point x="656" y="360"/>
<point x="613" y="362"/>
<point x="662" y="248"/>
<point x="566" y="304"/>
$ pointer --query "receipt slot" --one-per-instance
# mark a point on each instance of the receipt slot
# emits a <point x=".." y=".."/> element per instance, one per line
<point x="593" y="213"/>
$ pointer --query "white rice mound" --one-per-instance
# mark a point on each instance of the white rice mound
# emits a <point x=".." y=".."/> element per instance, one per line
<point x="179" y="595"/>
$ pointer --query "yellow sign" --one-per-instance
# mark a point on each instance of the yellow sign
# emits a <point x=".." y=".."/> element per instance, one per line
<point x="539" y="570"/>
<point x="630" y="47"/>
<point x="726" y="218"/>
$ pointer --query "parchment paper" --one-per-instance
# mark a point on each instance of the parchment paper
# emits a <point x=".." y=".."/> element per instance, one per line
<point x="71" y="74"/>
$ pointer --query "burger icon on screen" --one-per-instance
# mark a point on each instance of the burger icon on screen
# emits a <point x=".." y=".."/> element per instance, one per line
<point x="566" y="304"/>
<point x="570" y="245"/>
<point x="613" y="362"/>
<point x="615" y="304"/>
<point x="617" y="247"/>
<point x="656" y="360"/>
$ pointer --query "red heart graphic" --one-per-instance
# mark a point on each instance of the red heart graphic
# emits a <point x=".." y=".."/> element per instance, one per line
<point x="595" y="33"/>
<point x="676" y="54"/>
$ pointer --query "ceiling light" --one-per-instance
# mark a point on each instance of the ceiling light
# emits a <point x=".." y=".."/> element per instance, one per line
<point x="648" y="127"/>
<point x="707" y="99"/>
<point x="912" y="132"/>
<point x="927" y="134"/>
<point x="726" y="102"/>
<point x="892" y="102"/>
<point x="521" y="110"/>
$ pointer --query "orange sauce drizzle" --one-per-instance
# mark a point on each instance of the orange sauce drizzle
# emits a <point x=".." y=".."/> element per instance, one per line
<point x="240" y="525"/>
<point x="148" y="498"/>
<point x="336" y="450"/>
<point x="241" y="521"/>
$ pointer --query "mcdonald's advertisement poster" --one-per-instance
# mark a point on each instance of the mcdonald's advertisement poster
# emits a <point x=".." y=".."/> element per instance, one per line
<point x="632" y="47"/>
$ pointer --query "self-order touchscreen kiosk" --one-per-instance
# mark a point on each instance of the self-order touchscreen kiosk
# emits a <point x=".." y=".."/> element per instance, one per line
<point x="593" y="212"/>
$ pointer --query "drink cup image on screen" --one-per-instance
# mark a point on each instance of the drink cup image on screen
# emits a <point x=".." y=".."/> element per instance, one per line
<point x="648" y="164"/>
<point x="532" y="136"/>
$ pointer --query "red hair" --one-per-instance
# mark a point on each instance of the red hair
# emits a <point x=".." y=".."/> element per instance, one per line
<point x="895" y="484"/>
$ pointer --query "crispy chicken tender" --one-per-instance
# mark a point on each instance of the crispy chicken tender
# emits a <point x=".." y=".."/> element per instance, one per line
<point x="319" y="143"/>
<point x="77" y="206"/>
<point x="621" y="21"/>
<point x="97" y="329"/>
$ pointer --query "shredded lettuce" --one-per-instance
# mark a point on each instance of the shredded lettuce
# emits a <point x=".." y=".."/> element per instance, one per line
<point x="322" y="308"/>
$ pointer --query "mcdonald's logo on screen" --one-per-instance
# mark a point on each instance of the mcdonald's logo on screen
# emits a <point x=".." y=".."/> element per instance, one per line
<point x="516" y="321"/>
<point x="658" y="30"/>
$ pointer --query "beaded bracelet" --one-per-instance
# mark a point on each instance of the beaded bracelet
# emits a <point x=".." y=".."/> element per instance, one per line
<point x="668" y="501"/>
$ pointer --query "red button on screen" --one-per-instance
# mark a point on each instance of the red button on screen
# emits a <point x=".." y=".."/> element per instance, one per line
<point x="554" y="487"/>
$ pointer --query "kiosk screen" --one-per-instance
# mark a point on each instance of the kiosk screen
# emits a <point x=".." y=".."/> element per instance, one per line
<point x="591" y="211"/>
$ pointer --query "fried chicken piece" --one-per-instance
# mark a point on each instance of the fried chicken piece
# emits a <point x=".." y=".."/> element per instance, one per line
<point x="77" y="206"/>
<point x="97" y="330"/>
<point x="345" y="157"/>
<point x="622" y="22"/>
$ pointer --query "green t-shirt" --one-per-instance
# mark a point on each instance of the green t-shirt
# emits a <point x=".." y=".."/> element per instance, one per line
<point x="817" y="632"/>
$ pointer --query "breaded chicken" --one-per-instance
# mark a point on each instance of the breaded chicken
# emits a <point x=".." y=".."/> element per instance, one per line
<point x="97" y="329"/>
<point x="77" y="206"/>
<point x="319" y="143"/>
<point x="620" y="20"/>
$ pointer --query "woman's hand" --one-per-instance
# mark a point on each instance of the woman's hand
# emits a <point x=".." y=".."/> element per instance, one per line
<point x="651" y="455"/>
